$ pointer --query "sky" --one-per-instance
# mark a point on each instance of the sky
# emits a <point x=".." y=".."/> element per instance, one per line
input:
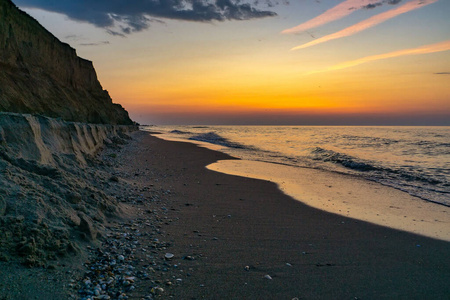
<point x="264" y="62"/>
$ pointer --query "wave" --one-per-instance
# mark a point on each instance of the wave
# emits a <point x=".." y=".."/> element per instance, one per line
<point x="345" y="160"/>
<point x="370" y="141"/>
<point x="179" y="132"/>
<point x="392" y="159"/>
<point x="213" y="138"/>
<point x="356" y="164"/>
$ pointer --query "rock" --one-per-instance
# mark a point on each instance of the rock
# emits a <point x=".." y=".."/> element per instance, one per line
<point x="268" y="277"/>
<point x="87" y="226"/>
<point x="157" y="291"/>
<point x="169" y="256"/>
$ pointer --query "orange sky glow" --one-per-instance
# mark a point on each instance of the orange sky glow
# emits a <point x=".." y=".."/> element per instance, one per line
<point x="355" y="60"/>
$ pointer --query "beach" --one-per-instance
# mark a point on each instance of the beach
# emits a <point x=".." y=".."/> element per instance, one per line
<point x="230" y="232"/>
<point x="263" y="172"/>
<point x="183" y="231"/>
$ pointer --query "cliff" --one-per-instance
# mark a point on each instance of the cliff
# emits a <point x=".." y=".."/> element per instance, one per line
<point x="55" y="189"/>
<point x="41" y="75"/>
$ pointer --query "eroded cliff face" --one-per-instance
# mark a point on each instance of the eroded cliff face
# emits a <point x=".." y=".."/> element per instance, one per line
<point x="55" y="191"/>
<point x="41" y="75"/>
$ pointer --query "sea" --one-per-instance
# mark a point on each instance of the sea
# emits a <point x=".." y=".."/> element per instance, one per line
<point x="415" y="160"/>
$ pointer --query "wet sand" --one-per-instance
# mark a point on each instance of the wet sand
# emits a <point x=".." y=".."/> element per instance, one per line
<point x="228" y="232"/>
<point x="349" y="196"/>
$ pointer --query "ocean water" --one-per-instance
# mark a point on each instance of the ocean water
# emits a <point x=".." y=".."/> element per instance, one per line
<point x="412" y="159"/>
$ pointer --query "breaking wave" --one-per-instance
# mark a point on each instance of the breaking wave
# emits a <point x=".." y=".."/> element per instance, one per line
<point x="213" y="138"/>
<point x="340" y="158"/>
<point x="414" y="160"/>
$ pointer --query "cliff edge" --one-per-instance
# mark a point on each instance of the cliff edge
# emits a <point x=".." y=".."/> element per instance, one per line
<point x="41" y="75"/>
<point x="56" y="188"/>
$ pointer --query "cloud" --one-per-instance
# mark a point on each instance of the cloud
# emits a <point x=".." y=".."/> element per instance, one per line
<point x="442" y="73"/>
<point x="438" y="47"/>
<point x="372" y="5"/>
<point x="370" y="22"/>
<point x="338" y="12"/>
<point x="133" y="16"/>
<point x="95" y="44"/>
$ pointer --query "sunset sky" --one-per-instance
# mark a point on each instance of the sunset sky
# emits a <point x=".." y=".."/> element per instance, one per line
<point x="303" y="62"/>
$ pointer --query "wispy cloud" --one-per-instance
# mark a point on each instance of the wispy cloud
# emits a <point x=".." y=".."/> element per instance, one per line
<point x="442" y="73"/>
<point x="95" y="44"/>
<point x="338" y="12"/>
<point x="370" y="22"/>
<point x="438" y="47"/>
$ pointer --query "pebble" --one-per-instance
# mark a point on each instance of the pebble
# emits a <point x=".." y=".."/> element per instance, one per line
<point x="125" y="260"/>
<point x="157" y="290"/>
<point x="268" y="277"/>
<point x="169" y="256"/>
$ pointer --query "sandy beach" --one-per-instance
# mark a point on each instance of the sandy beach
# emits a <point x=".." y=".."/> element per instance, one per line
<point x="186" y="232"/>
<point x="264" y="172"/>
<point x="239" y="230"/>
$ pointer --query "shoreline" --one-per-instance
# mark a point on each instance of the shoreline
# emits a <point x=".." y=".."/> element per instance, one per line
<point x="391" y="163"/>
<point x="347" y="195"/>
<point x="186" y="232"/>
<point x="229" y="232"/>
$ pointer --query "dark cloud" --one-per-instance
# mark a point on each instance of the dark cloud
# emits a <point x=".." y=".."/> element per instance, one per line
<point x="136" y="15"/>
<point x="393" y="2"/>
<point x="376" y="4"/>
<point x="373" y="5"/>
<point x="115" y="33"/>
<point x="95" y="44"/>
<point x="442" y="73"/>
